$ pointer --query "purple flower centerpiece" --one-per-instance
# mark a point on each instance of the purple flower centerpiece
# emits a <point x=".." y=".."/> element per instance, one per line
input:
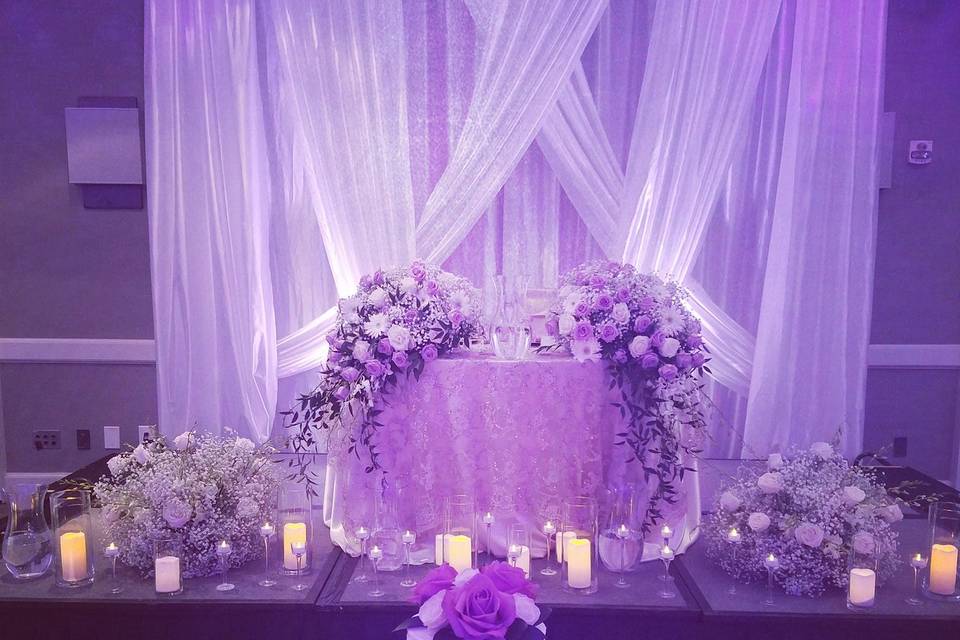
<point x="638" y="325"/>
<point x="491" y="604"/>
<point x="811" y="510"/>
<point x="397" y="322"/>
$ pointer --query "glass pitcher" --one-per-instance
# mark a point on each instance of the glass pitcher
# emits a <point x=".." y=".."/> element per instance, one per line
<point x="27" y="551"/>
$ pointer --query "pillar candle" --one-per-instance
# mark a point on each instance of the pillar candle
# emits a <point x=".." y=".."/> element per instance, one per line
<point x="578" y="563"/>
<point x="863" y="587"/>
<point x="461" y="554"/>
<point x="524" y="560"/>
<point x="293" y="532"/>
<point x="73" y="556"/>
<point x="562" y="541"/>
<point x="441" y="548"/>
<point x="167" y="574"/>
<point x="943" y="569"/>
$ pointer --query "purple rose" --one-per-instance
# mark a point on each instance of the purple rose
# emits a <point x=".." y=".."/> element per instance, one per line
<point x="455" y="317"/>
<point x="432" y="287"/>
<point x="583" y="330"/>
<point x="668" y="372"/>
<point x="510" y="579"/>
<point x="418" y="271"/>
<point x="646" y="303"/>
<point x="400" y="359"/>
<point x="698" y="360"/>
<point x="809" y="534"/>
<point x="385" y="347"/>
<point x="478" y="611"/>
<point x="649" y="360"/>
<point x="429" y="353"/>
<point x="693" y="341"/>
<point x="620" y="356"/>
<point x="374" y="368"/>
<point x="177" y="513"/>
<point x="608" y="332"/>
<point x="366" y="282"/>
<point x="604" y="302"/>
<point x="581" y="310"/>
<point x="553" y="326"/>
<point x="656" y="340"/>
<point x="410" y="315"/>
<point x="350" y="374"/>
<point x="623" y="294"/>
<point x="439" y="579"/>
<point x="378" y="277"/>
<point x="341" y="393"/>
<point x="641" y="323"/>
<point x="331" y="339"/>
<point x="597" y="281"/>
<point x="684" y="360"/>
<point x="334" y="357"/>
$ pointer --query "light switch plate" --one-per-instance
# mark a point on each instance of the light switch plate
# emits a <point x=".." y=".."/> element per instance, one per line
<point x="111" y="437"/>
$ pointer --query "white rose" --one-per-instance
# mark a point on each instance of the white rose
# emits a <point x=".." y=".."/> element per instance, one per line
<point x="774" y="461"/>
<point x="408" y="285"/>
<point x="863" y="542"/>
<point x="853" y="495"/>
<point x="729" y="501"/>
<point x="399" y="337"/>
<point x="140" y="454"/>
<point x="361" y="350"/>
<point x="770" y="482"/>
<point x="245" y="444"/>
<point x="182" y="441"/>
<point x="890" y="513"/>
<point x="349" y="307"/>
<point x="570" y="302"/>
<point x="621" y="312"/>
<point x="822" y="450"/>
<point x="669" y="347"/>
<point x="526" y="609"/>
<point x="758" y="521"/>
<point x="566" y="324"/>
<point x="117" y="464"/>
<point x="638" y="346"/>
<point x="431" y="612"/>
<point x="378" y="298"/>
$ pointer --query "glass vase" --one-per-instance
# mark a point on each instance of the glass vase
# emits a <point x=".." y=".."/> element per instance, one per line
<point x="295" y="520"/>
<point x="861" y="581"/>
<point x="459" y="532"/>
<point x="941" y="583"/>
<point x="387" y="534"/>
<point x="578" y="538"/>
<point x="27" y="552"/>
<point x="168" y="566"/>
<point x="620" y="542"/>
<point x="73" y="537"/>
<point x="510" y="324"/>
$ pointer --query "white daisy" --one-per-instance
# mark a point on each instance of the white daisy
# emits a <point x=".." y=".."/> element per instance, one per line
<point x="377" y="325"/>
<point x="586" y="350"/>
<point x="671" y="321"/>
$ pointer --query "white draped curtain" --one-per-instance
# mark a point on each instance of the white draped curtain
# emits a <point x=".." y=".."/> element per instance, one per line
<point x="314" y="142"/>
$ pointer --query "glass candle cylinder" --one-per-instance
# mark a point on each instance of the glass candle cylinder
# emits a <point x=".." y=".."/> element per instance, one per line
<point x="578" y="527"/>
<point x="459" y="532"/>
<point x="944" y="521"/>
<point x="518" y="546"/>
<point x="167" y="577"/>
<point x="862" y="580"/>
<point x="294" y="517"/>
<point x="73" y="537"/>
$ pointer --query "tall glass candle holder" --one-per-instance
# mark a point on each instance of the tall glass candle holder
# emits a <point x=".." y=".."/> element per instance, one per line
<point x="942" y="580"/>
<point x="578" y="527"/>
<point x="167" y="578"/>
<point x="918" y="561"/>
<point x="294" y="517"/>
<point x="862" y="581"/>
<point x="459" y="533"/>
<point x="73" y="537"/>
<point x="549" y="530"/>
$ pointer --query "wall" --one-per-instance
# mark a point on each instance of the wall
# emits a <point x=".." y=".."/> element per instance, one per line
<point x="67" y="272"/>
<point x="917" y="281"/>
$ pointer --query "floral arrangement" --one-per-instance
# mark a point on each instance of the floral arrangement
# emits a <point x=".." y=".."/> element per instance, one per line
<point x="811" y="511"/>
<point x="638" y="324"/>
<point x="495" y="602"/>
<point x="199" y="488"/>
<point x="398" y="321"/>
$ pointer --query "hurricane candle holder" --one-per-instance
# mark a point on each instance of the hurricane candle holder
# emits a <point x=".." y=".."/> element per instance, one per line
<point x="112" y="552"/>
<point x="734" y="538"/>
<point x="459" y="532"/>
<point x="267" y="531"/>
<point x="771" y="563"/>
<point x="408" y="538"/>
<point x="623" y="532"/>
<point x="579" y="539"/>
<point x="295" y="517"/>
<point x="375" y="555"/>
<point x="223" y="553"/>
<point x="918" y="561"/>
<point x="518" y="542"/>
<point x="942" y="582"/>
<point x="299" y="552"/>
<point x="363" y="534"/>
<point x="862" y="585"/>
<point x="73" y="537"/>
<point x="167" y="580"/>
<point x="667" y="555"/>
<point x="488" y="520"/>
<point x="549" y="529"/>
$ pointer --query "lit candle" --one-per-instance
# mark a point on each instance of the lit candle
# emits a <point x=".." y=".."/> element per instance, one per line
<point x="488" y="518"/>
<point x="298" y="549"/>
<point x="943" y="569"/>
<point x="918" y="561"/>
<point x="408" y="537"/>
<point x="376" y="553"/>
<point x="666" y="531"/>
<point x="223" y="549"/>
<point x="666" y="553"/>
<point x="771" y="562"/>
<point x="734" y="535"/>
<point x="562" y="544"/>
<point x="441" y="549"/>
<point x="362" y="533"/>
<point x="623" y="532"/>
<point x="112" y="550"/>
<point x="460" y="556"/>
<point x="549" y="528"/>
<point x="267" y="530"/>
<point x="863" y="587"/>
<point x="167" y="574"/>
<point x="73" y="556"/>
<point x="578" y="563"/>
<point x="293" y="533"/>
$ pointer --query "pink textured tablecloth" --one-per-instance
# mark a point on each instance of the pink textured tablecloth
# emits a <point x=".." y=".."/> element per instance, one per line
<point x="517" y="435"/>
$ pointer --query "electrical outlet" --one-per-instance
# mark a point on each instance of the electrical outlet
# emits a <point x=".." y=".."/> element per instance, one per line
<point x="111" y="437"/>
<point x="46" y="439"/>
<point x="83" y="439"/>
<point x="900" y="447"/>
<point x="146" y="433"/>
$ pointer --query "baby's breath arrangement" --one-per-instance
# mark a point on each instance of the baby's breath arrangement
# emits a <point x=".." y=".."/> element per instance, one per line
<point x="199" y="488"/>
<point x="811" y="511"/>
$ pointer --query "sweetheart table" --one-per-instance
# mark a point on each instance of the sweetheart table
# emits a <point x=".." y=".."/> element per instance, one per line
<point x="518" y="435"/>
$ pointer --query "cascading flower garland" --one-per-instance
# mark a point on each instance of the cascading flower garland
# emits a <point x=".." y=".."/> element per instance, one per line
<point x="638" y="324"/>
<point x="398" y="321"/>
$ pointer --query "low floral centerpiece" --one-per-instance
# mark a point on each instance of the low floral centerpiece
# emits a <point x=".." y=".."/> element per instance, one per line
<point x="398" y="322"/>
<point x="638" y="324"/>
<point x="811" y="511"/>
<point x="199" y="488"/>
<point x="494" y="602"/>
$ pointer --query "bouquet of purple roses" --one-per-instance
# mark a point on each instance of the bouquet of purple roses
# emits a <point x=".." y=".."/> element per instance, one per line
<point x="398" y="321"/>
<point x="639" y="325"/>
<point x="495" y="603"/>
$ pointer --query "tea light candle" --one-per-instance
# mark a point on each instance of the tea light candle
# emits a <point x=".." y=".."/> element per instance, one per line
<point x="223" y="549"/>
<point x="267" y="530"/>
<point x="734" y="536"/>
<point x="112" y="550"/>
<point x="293" y="533"/>
<point x="943" y="569"/>
<point x="623" y="532"/>
<point x="918" y="561"/>
<point x="666" y="531"/>
<point x="376" y="553"/>
<point x="771" y="561"/>
<point x="362" y="533"/>
<point x="488" y="518"/>
<point x="863" y="587"/>
<point x="299" y="549"/>
<point x="166" y="574"/>
<point x="549" y="528"/>
<point x="461" y="554"/>
<point x="73" y="556"/>
<point x="408" y="537"/>
<point x="578" y="563"/>
<point x="562" y="543"/>
<point x="666" y="553"/>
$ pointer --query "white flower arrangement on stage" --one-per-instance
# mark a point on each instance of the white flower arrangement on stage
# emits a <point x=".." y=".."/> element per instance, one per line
<point x="639" y="325"/>
<point x="396" y="324"/>
<point x="810" y="511"/>
<point x="200" y="489"/>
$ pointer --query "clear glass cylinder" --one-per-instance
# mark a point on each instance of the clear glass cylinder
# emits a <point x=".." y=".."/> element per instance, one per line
<point x="387" y="533"/>
<point x="621" y="544"/>
<point x="459" y="532"/>
<point x="168" y="566"/>
<point x="27" y="552"/>
<point x="578" y="538"/>
<point x="942" y="570"/>
<point x="295" y="527"/>
<point x="518" y="547"/>
<point x="73" y="537"/>
<point x="861" y="580"/>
